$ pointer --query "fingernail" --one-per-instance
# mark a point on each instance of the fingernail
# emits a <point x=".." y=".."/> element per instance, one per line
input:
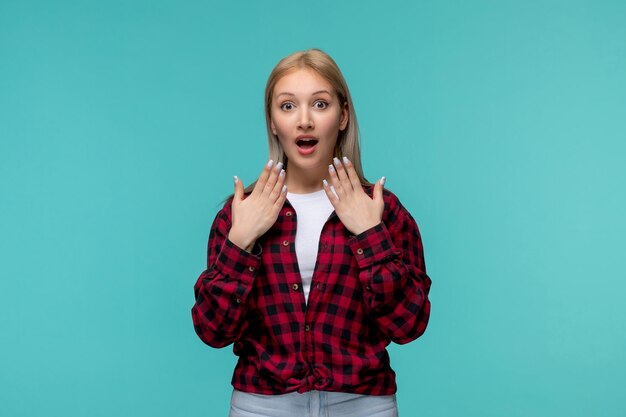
<point x="282" y="172"/>
<point x="336" y="161"/>
<point x="325" y="183"/>
<point x="331" y="168"/>
<point x="345" y="160"/>
<point x="279" y="166"/>
<point x="270" y="163"/>
<point x="235" y="178"/>
<point x="382" y="181"/>
<point x="284" y="188"/>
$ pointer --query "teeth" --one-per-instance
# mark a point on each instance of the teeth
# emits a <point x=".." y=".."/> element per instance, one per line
<point x="306" y="141"/>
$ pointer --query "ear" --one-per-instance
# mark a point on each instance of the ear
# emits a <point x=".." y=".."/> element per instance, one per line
<point x="273" y="126"/>
<point x="343" y="122"/>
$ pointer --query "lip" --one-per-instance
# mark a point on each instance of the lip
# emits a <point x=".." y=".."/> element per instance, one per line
<point x="306" y="151"/>
<point x="305" y="137"/>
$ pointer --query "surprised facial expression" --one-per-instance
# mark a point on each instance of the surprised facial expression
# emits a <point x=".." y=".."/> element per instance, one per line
<point x="307" y="117"/>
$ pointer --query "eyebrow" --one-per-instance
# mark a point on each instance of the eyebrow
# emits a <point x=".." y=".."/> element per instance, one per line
<point x="293" y="95"/>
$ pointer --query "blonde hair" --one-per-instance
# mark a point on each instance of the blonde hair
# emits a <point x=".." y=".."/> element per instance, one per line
<point x="348" y="140"/>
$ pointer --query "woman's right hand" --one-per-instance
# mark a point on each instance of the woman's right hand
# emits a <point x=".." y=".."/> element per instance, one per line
<point x="254" y="215"/>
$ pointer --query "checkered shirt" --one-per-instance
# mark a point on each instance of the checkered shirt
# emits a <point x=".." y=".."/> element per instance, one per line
<point x="367" y="291"/>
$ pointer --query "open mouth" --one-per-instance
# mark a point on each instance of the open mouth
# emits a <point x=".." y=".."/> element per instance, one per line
<point x="306" y="143"/>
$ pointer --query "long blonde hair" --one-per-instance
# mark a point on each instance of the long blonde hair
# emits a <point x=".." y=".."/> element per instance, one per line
<point x="348" y="140"/>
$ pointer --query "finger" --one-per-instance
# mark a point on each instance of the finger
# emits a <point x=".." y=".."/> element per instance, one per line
<point x="271" y="181"/>
<point x="330" y="194"/>
<point x="341" y="173"/>
<point x="265" y="174"/>
<point x="352" y="175"/>
<point x="281" y="198"/>
<point x="238" y="196"/>
<point x="378" y="189"/>
<point x="334" y="180"/>
<point x="278" y="186"/>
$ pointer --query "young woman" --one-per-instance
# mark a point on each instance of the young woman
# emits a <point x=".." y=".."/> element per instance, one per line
<point x="312" y="271"/>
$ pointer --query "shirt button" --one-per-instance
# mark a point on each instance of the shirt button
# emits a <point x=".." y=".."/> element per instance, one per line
<point x="367" y="287"/>
<point x="238" y="300"/>
<point x="285" y="243"/>
<point x="317" y="285"/>
<point x="307" y="327"/>
<point x="295" y="287"/>
<point x="251" y="268"/>
<point x="359" y="251"/>
<point x="288" y="213"/>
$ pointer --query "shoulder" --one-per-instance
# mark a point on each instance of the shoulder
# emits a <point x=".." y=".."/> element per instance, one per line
<point x="224" y="215"/>
<point x="392" y="202"/>
<point x="395" y="212"/>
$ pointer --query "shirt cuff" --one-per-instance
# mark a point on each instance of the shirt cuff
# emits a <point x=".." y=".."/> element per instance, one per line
<point x="236" y="262"/>
<point x="373" y="246"/>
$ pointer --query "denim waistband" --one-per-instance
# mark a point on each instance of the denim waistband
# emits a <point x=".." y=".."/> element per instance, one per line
<point x="312" y="404"/>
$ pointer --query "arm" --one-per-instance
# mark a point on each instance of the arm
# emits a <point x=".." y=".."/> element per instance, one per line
<point x="390" y="261"/>
<point x="393" y="274"/>
<point x="223" y="287"/>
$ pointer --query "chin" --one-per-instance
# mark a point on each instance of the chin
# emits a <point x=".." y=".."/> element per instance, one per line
<point x="309" y="160"/>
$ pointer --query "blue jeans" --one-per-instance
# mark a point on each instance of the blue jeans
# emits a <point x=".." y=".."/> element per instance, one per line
<point x="312" y="404"/>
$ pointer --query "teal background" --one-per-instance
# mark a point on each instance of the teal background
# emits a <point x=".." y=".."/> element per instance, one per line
<point x="500" y="125"/>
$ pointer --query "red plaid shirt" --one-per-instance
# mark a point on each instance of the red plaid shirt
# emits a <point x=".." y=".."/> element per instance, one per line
<point x="366" y="291"/>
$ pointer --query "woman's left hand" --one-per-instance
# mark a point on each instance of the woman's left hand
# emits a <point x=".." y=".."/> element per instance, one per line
<point x="356" y="210"/>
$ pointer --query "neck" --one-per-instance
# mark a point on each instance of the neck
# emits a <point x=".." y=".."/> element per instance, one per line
<point x="308" y="180"/>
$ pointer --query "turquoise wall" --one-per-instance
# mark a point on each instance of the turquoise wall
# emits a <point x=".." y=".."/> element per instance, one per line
<point x="500" y="125"/>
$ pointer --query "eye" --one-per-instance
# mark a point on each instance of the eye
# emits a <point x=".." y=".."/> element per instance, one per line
<point x="322" y="102"/>
<point x="283" y="106"/>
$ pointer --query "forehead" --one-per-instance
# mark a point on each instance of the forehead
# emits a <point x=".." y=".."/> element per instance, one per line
<point x="303" y="81"/>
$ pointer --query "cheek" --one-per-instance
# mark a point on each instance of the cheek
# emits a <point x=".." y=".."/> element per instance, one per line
<point x="283" y="140"/>
<point x="283" y="136"/>
<point x="280" y="124"/>
<point x="330" y="125"/>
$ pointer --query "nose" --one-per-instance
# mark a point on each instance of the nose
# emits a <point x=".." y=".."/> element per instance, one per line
<point x="305" y="121"/>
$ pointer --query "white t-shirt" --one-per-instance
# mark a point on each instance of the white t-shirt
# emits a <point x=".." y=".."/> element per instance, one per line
<point x="312" y="211"/>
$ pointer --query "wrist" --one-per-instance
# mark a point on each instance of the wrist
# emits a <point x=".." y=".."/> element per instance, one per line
<point x="365" y="228"/>
<point x="244" y="242"/>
